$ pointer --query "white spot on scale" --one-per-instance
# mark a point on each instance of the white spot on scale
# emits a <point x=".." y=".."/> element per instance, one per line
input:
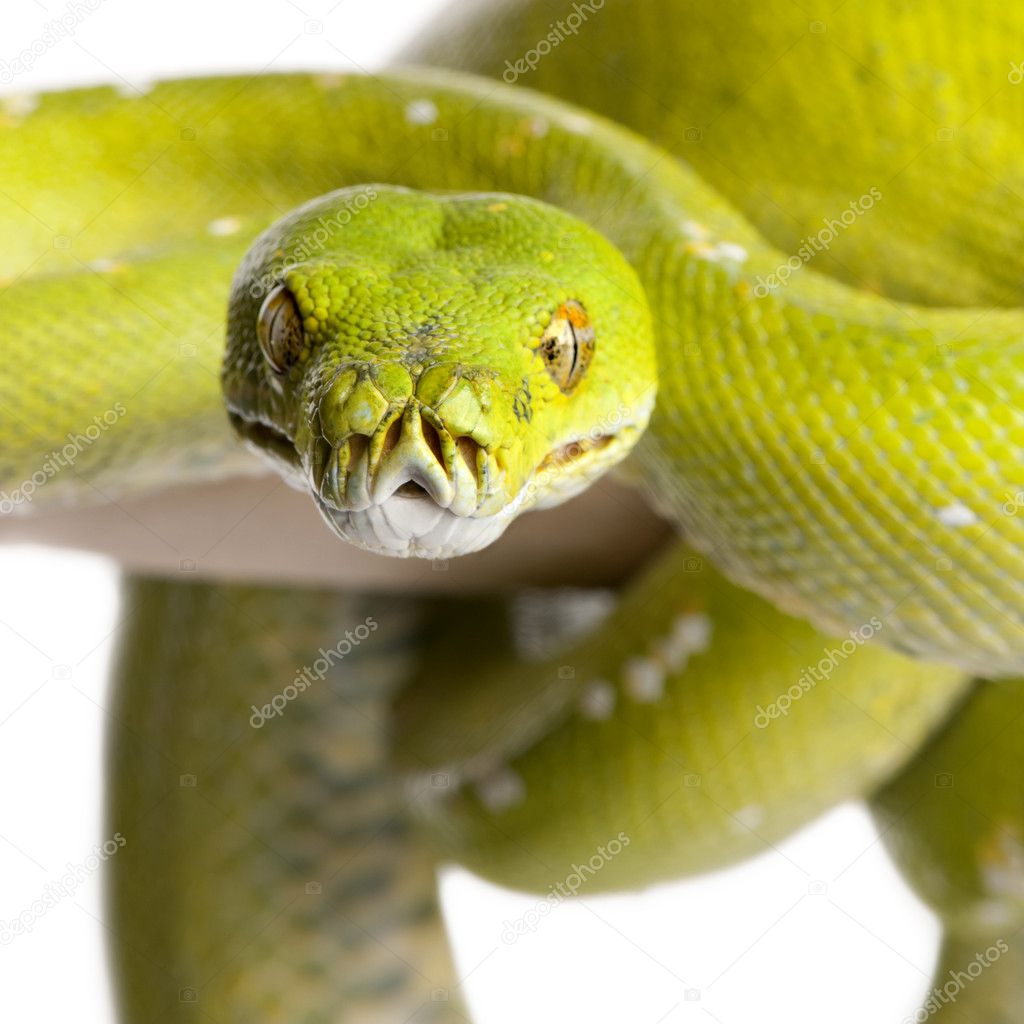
<point x="694" y="629"/>
<point x="578" y="124"/>
<point x="1003" y="880"/>
<point x="501" y="790"/>
<point x="421" y="112"/>
<point x="718" y="252"/>
<point x="690" y="634"/>
<point x="20" y="104"/>
<point x="223" y="226"/>
<point x="539" y="127"/>
<point x="749" y="817"/>
<point x="105" y="265"/>
<point x="597" y="700"/>
<point x="956" y="515"/>
<point x="732" y="251"/>
<point x="674" y="654"/>
<point x="134" y="90"/>
<point x="1001" y="861"/>
<point x="644" y="679"/>
<point x="992" y="915"/>
<point x="694" y="231"/>
<point x="330" y="80"/>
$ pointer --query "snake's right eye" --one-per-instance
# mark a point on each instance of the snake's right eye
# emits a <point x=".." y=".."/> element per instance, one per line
<point x="567" y="345"/>
<point x="279" y="329"/>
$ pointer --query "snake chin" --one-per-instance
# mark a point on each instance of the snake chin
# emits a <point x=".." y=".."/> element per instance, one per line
<point x="410" y="524"/>
<point x="413" y="501"/>
<point x="416" y="519"/>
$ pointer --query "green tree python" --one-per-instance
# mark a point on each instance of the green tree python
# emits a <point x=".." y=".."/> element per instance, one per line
<point x="760" y="257"/>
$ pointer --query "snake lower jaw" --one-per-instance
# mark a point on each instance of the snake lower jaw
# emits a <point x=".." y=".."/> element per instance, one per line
<point x="412" y="491"/>
<point x="411" y="514"/>
<point x="413" y="525"/>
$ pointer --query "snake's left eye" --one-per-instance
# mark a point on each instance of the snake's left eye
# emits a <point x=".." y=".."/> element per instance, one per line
<point x="279" y="329"/>
<point x="567" y="345"/>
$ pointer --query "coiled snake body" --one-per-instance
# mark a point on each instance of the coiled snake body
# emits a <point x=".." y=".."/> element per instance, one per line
<point x="496" y="297"/>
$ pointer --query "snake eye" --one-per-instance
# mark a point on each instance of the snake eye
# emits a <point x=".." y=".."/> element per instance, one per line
<point x="567" y="345"/>
<point x="279" y="329"/>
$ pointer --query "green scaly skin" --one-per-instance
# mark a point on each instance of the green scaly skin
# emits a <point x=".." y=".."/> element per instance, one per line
<point x="793" y="111"/>
<point x="752" y="390"/>
<point x="847" y="454"/>
<point x="954" y="821"/>
<point x="810" y="448"/>
<point x="418" y="360"/>
<point x="698" y="760"/>
<point x="270" y="872"/>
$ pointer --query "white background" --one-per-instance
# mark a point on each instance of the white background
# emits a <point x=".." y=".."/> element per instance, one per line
<point x="753" y="944"/>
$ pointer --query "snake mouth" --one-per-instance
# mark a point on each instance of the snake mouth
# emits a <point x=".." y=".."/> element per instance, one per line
<point x="409" y="455"/>
<point x="412" y="489"/>
<point x="572" y="452"/>
<point x="570" y="467"/>
<point x="410" y="521"/>
<point x="408" y="486"/>
<point x="268" y="441"/>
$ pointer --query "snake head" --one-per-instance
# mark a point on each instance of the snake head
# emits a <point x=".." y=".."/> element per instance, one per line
<point x="430" y="365"/>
